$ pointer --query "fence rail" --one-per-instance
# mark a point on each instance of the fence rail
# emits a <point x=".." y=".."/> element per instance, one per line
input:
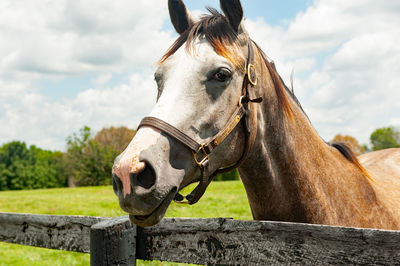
<point x="115" y="241"/>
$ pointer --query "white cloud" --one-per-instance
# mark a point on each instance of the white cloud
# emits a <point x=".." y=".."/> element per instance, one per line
<point x="65" y="39"/>
<point x="102" y="80"/>
<point x="72" y="37"/>
<point x="124" y="104"/>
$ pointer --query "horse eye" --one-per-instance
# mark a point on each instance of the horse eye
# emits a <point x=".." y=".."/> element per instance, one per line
<point x="222" y="75"/>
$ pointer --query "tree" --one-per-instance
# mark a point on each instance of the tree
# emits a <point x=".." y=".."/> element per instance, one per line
<point x="351" y="142"/>
<point x="116" y="137"/>
<point x="28" y="168"/>
<point x="86" y="161"/>
<point x="384" y="138"/>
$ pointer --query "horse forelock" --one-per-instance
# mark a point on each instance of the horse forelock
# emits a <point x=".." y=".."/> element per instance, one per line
<point x="214" y="28"/>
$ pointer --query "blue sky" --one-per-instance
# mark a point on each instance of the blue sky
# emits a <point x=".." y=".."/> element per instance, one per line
<point x="67" y="64"/>
<point x="273" y="12"/>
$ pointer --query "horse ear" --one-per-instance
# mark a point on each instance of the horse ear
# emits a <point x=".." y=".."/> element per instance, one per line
<point x="233" y="11"/>
<point x="180" y="16"/>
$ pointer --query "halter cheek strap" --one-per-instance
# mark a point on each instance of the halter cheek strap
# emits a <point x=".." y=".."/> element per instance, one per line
<point x="201" y="151"/>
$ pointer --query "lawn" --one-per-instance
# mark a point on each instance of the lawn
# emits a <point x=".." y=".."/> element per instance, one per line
<point x="222" y="199"/>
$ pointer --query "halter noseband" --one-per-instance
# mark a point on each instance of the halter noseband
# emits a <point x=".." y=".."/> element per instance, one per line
<point x="202" y="151"/>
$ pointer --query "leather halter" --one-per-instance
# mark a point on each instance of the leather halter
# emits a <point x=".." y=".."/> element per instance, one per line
<point x="201" y="151"/>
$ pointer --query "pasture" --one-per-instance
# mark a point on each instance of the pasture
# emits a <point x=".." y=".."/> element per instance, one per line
<point x="222" y="199"/>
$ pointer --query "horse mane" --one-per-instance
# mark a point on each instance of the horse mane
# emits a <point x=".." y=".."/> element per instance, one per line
<point x="281" y="88"/>
<point x="215" y="28"/>
<point x="348" y="153"/>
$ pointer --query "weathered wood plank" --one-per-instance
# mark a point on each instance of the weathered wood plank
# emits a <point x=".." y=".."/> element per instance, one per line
<point x="208" y="241"/>
<point x="71" y="233"/>
<point x="113" y="242"/>
<point x="221" y="241"/>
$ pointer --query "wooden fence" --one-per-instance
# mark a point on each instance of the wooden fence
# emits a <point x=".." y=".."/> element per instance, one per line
<point x="115" y="241"/>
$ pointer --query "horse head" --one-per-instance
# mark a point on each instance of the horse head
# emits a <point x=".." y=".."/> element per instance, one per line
<point x="201" y="122"/>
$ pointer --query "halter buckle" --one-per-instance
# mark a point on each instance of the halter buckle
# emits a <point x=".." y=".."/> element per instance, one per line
<point x="251" y="69"/>
<point x="203" y="161"/>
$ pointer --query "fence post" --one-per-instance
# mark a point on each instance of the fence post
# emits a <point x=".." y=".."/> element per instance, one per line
<point x="113" y="242"/>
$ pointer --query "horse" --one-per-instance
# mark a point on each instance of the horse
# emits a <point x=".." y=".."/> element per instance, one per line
<point x="222" y="105"/>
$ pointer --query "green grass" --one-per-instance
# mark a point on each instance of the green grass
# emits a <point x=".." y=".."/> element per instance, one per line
<point x="222" y="199"/>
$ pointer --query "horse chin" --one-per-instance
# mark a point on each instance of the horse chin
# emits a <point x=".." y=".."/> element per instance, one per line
<point x="155" y="216"/>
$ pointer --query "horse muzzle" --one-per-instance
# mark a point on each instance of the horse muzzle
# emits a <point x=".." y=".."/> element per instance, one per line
<point x="147" y="180"/>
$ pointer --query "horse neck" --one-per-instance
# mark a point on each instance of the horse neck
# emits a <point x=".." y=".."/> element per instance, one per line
<point x="291" y="174"/>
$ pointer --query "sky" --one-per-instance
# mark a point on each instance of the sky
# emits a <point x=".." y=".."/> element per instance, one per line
<point x="65" y="64"/>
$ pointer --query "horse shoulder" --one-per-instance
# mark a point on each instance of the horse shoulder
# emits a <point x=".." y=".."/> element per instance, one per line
<point x="384" y="167"/>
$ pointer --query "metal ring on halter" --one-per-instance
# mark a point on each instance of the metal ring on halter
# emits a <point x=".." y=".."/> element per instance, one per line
<point x="202" y="161"/>
<point x="250" y="78"/>
<point x="241" y="101"/>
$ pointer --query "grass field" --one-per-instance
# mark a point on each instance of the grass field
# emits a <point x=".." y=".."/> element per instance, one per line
<point x="222" y="199"/>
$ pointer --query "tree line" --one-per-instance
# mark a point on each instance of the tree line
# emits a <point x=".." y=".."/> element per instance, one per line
<point x="88" y="159"/>
<point x="381" y="138"/>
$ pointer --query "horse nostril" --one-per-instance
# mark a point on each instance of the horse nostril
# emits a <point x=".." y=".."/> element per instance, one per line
<point x="145" y="179"/>
<point x="117" y="184"/>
